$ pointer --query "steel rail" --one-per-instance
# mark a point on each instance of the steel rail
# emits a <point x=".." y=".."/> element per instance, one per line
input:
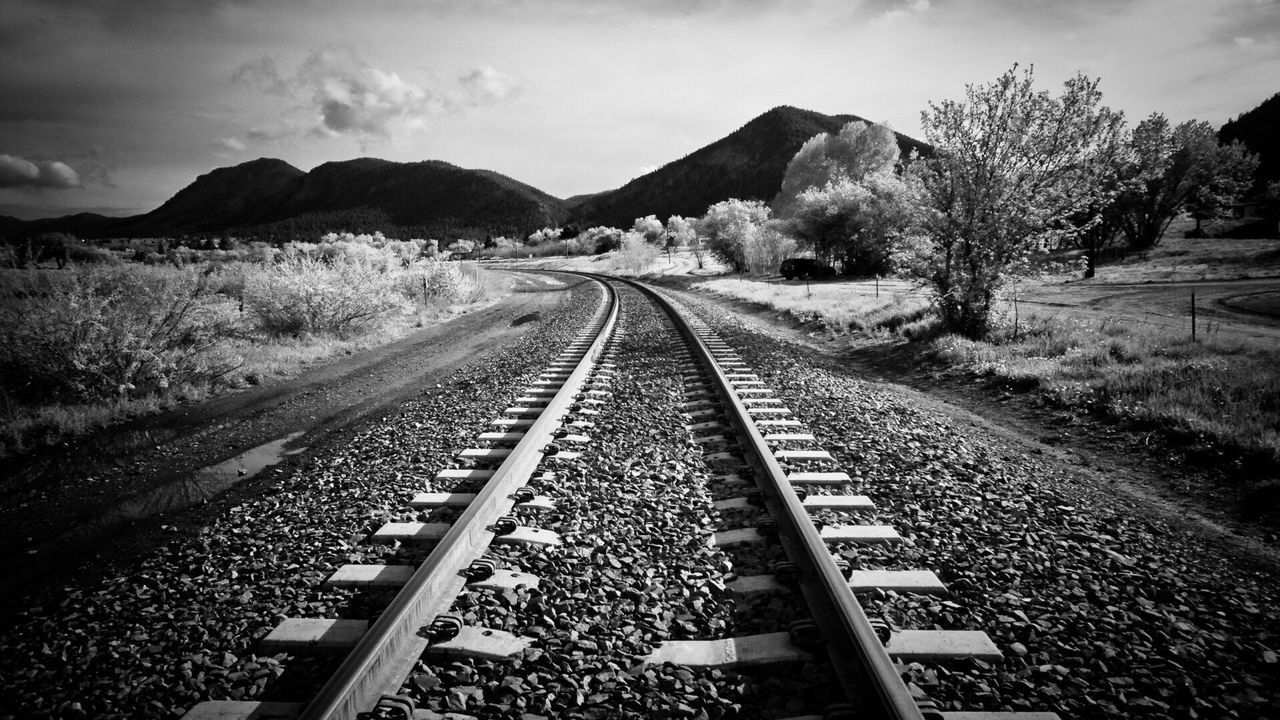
<point x="864" y="668"/>
<point x="385" y="655"/>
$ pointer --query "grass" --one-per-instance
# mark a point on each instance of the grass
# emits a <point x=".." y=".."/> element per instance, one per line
<point x="1216" y="395"/>
<point x="839" y="307"/>
<point x="1179" y="258"/>
<point x="1211" y="393"/>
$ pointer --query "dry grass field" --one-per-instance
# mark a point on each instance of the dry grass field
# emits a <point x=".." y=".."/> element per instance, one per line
<point x="90" y="345"/>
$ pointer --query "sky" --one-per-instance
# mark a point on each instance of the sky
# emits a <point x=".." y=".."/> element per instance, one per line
<point x="112" y="106"/>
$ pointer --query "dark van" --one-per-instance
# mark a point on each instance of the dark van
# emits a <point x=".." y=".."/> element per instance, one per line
<point x="805" y="268"/>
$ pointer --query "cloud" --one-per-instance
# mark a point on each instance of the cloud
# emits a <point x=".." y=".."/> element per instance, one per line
<point x="903" y="10"/>
<point x="485" y="85"/>
<point x="1244" y="42"/>
<point x="229" y="143"/>
<point x="341" y="94"/>
<point x="20" y="172"/>
<point x="262" y="74"/>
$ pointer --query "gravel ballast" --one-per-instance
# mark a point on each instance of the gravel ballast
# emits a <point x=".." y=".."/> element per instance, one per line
<point x="1102" y="608"/>
<point x="635" y="569"/>
<point x="172" y="628"/>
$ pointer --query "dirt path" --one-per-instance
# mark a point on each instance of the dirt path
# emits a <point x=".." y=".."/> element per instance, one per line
<point x="59" y="510"/>
<point x="1222" y="306"/>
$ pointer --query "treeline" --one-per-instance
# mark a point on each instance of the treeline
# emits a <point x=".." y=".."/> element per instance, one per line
<point x="371" y="220"/>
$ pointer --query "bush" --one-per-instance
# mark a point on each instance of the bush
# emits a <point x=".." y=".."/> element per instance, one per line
<point x="599" y="240"/>
<point x="91" y="255"/>
<point x="438" y="282"/>
<point x="306" y="295"/>
<point x="636" y="254"/>
<point x="95" y="333"/>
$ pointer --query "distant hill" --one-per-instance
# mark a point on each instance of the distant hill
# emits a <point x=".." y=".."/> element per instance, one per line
<point x="431" y="197"/>
<point x="227" y="197"/>
<point x="11" y="226"/>
<point x="1259" y="130"/>
<point x="267" y="197"/>
<point x="748" y="164"/>
<point x="80" y="225"/>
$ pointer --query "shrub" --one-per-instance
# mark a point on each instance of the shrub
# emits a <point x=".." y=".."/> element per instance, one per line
<point x="105" y="332"/>
<point x="599" y="240"/>
<point x="436" y="282"/>
<point x="91" y="255"/>
<point x="636" y="254"/>
<point x="306" y="295"/>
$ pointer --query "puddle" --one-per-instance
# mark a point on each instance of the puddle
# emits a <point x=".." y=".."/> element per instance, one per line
<point x="200" y="485"/>
<point x="253" y="461"/>
<point x="537" y="315"/>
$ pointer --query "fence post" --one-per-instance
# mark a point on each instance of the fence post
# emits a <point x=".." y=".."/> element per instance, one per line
<point x="1193" y="317"/>
<point x="877" y="284"/>
<point x="1015" y="316"/>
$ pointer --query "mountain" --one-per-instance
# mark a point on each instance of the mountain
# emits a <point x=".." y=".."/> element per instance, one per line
<point x="748" y="164"/>
<point x="1257" y="130"/>
<point x="227" y="197"/>
<point x="11" y="226"/>
<point x="434" y="197"/>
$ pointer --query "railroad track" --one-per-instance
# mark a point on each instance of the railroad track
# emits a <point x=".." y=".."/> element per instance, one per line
<point x="758" y="470"/>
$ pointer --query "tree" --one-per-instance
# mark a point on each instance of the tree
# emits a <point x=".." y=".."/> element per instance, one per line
<point x="1016" y="171"/>
<point x="600" y="239"/>
<point x="53" y="245"/>
<point x="728" y="225"/>
<point x="1100" y="225"/>
<point x="858" y="150"/>
<point x="651" y="228"/>
<point x="854" y="221"/>
<point x="841" y="199"/>
<point x="765" y="246"/>
<point x="1175" y="168"/>
<point x="538" y="237"/>
<point x="681" y="231"/>
<point x="1270" y="201"/>
<point x="461" y="247"/>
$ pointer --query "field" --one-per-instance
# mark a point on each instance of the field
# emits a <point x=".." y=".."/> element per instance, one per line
<point x="92" y="344"/>
<point x="840" y="307"/>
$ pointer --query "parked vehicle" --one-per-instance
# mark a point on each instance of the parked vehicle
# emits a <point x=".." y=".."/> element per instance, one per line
<point x="805" y="268"/>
